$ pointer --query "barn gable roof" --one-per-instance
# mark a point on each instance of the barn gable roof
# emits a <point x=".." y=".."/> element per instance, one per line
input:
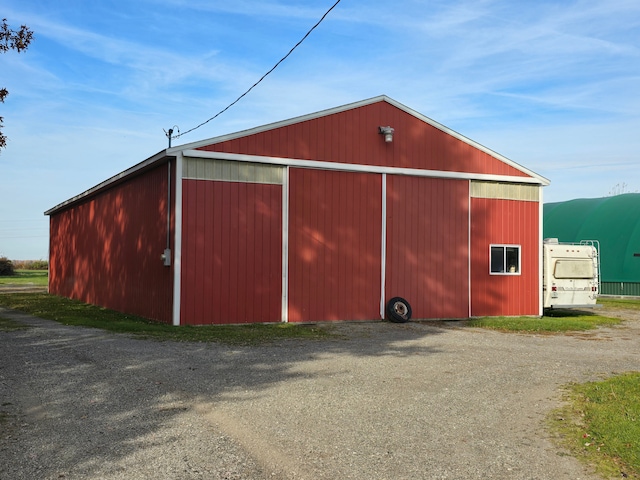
<point x="231" y="146"/>
<point x="239" y="142"/>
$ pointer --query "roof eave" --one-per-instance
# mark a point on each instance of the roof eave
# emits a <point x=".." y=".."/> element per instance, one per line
<point x="322" y="113"/>
<point x="138" y="168"/>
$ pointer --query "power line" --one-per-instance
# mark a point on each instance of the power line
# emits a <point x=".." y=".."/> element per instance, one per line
<point x="170" y="132"/>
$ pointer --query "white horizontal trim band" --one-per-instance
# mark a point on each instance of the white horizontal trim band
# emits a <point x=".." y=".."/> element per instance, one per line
<point x="349" y="167"/>
<point x="344" y="108"/>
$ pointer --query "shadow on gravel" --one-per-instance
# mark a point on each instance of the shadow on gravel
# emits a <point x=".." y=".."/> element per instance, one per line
<point x="83" y="400"/>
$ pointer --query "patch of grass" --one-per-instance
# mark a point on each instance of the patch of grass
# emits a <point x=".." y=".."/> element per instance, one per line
<point x="622" y="303"/>
<point x="27" y="277"/>
<point x="601" y="424"/>
<point x="73" y="312"/>
<point x="557" y="321"/>
<point x="7" y="325"/>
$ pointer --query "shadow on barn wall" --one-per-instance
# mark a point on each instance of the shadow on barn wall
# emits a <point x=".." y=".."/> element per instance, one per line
<point x="106" y="251"/>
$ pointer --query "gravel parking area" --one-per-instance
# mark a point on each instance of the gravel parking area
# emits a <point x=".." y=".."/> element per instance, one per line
<point x="383" y="401"/>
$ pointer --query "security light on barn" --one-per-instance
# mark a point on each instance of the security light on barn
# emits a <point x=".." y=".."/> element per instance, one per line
<point x="387" y="132"/>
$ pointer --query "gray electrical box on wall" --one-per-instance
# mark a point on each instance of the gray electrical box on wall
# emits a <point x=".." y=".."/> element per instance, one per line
<point x="166" y="257"/>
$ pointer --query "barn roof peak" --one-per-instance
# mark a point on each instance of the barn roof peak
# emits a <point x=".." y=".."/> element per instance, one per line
<point x="186" y="149"/>
<point x="350" y="106"/>
<point x="291" y="121"/>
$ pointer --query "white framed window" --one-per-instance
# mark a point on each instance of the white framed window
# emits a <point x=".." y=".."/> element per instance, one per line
<point x="504" y="259"/>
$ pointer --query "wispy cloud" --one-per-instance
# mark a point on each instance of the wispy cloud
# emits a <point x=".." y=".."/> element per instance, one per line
<point x="552" y="85"/>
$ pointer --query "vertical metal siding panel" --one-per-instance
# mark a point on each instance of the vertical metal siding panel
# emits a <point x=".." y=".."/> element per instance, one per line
<point x="504" y="222"/>
<point x="309" y="140"/>
<point x="198" y="245"/>
<point x="242" y="276"/>
<point x="302" y="233"/>
<point x="330" y="251"/>
<point x="208" y="273"/>
<point x="112" y="244"/>
<point x="269" y="221"/>
<point x="328" y="264"/>
<point x="188" y="226"/>
<point x="318" y="145"/>
<point x="335" y="223"/>
<point x="224" y="250"/>
<point x="200" y="242"/>
<point x="305" y="140"/>
<point x="219" y="245"/>
<point x="422" y="254"/>
<point x="250" y="244"/>
<point x="241" y="253"/>
<point x="479" y="281"/>
<point x="234" y="249"/>
<point x="294" y="268"/>
<point x="253" y="198"/>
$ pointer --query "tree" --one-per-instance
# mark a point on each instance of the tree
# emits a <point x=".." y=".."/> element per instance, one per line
<point x="17" y="40"/>
<point x="6" y="267"/>
<point x="620" y="188"/>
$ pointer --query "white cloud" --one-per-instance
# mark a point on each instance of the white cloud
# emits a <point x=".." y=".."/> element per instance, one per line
<point x="551" y="85"/>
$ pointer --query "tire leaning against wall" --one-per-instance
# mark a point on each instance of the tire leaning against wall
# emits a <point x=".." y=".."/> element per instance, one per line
<point x="398" y="310"/>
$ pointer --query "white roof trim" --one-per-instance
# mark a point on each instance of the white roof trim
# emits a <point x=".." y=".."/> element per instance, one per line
<point x="533" y="178"/>
<point x="110" y="181"/>
<point x="350" y="167"/>
<point x="382" y="98"/>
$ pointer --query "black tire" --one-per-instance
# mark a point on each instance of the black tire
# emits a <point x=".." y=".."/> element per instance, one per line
<point x="398" y="310"/>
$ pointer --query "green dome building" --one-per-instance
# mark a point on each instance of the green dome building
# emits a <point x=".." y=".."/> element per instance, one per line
<point x="615" y="223"/>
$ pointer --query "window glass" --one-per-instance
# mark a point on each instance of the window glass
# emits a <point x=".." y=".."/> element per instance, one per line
<point x="497" y="259"/>
<point x="513" y="259"/>
<point x="505" y="259"/>
<point x="573" y="269"/>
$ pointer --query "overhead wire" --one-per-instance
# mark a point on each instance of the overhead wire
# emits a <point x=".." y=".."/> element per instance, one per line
<point x="169" y="133"/>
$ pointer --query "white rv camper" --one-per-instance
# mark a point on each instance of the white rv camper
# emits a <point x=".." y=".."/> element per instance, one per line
<point x="570" y="273"/>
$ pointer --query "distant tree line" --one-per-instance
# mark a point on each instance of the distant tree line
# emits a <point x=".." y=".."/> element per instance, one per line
<point x="9" y="267"/>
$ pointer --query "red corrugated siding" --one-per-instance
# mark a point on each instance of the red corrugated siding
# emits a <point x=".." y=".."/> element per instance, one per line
<point x="504" y="222"/>
<point x="334" y="245"/>
<point x="352" y="137"/>
<point x="231" y="252"/>
<point x="427" y="245"/>
<point x="107" y="250"/>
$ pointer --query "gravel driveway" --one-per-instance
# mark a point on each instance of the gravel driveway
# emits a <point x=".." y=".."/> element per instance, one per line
<point x="385" y="401"/>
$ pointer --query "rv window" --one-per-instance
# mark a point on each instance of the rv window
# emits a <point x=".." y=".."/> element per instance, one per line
<point x="505" y="259"/>
<point x="573" y="269"/>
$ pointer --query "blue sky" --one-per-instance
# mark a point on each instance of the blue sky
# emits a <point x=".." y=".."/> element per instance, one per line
<point x="552" y="85"/>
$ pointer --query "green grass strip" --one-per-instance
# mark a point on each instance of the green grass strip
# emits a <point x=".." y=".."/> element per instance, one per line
<point x="620" y="303"/>
<point x="38" y="278"/>
<point x="601" y="424"/>
<point x="73" y="312"/>
<point x="561" y="321"/>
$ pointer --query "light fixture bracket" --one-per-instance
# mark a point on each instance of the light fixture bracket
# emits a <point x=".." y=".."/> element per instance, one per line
<point x="387" y="132"/>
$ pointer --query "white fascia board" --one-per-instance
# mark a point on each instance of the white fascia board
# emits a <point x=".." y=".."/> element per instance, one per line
<point x="110" y="181"/>
<point x="279" y="124"/>
<point x="284" y="123"/>
<point x="349" y="167"/>
<point x="462" y="138"/>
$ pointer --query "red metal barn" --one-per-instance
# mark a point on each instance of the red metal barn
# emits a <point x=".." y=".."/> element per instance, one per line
<point x="318" y="218"/>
